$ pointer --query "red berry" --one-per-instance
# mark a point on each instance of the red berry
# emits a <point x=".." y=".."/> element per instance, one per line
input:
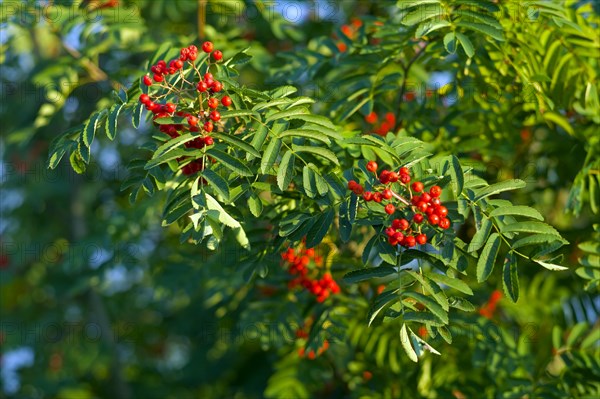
<point x="144" y="99"/>
<point x="425" y="197"/>
<point x="410" y="241"/>
<point x="435" y="191"/>
<point x="422" y="205"/>
<point x="444" y="223"/>
<point x="215" y="116"/>
<point x="158" y="78"/>
<point x="352" y="184"/>
<point x="368" y="196"/>
<point x="421" y="239"/>
<point x="207" y="47"/>
<point x="394" y="177"/>
<point x="404" y="224"/>
<point x="202" y="87"/>
<point x="405" y="178"/>
<point x="371" y="118"/>
<point x="213" y="103"/>
<point x="170" y="107"/>
<point x="192" y="120"/>
<point x="377" y="197"/>
<point x="417" y="186"/>
<point x="147" y="80"/>
<point x="178" y="64"/>
<point x="208" y="126"/>
<point x="208" y="141"/>
<point x="372" y="166"/>
<point x="387" y="194"/>
<point x="217" y="55"/>
<point x="434" y="219"/>
<point x="384" y="176"/>
<point x="418" y="218"/>
<point x="390" y="208"/>
<point x="217" y="86"/>
<point x="441" y="211"/>
<point x="404" y="171"/>
<point x="358" y="190"/>
<point x="150" y="105"/>
<point x="226" y="101"/>
<point x="436" y="201"/>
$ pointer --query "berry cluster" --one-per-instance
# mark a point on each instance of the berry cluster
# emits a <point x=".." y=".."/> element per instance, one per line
<point x="387" y="124"/>
<point x="350" y="32"/>
<point x="303" y="263"/>
<point x="302" y="334"/>
<point x="183" y="91"/>
<point x="421" y="207"/>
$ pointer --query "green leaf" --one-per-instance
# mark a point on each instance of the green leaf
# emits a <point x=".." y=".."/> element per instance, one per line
<point x="560" y="121"/>
<point x="259" y="137"/>
<point x="423" y="317"/>
<point x="424" y="12"/>
<point x="77" y="163"/>
<point x="432" y="288"/>
<point x="482" y="28"/>
<point x="309" y="134"/>
<point x="510" y="277"/>
<point x="481" y="236"/>
<point x="466" y="44"/>
<point x="169" y="156"/>
<point x="497" y="188"/>
<point x="550" y="266"/>
<point x="235" y="113"/>
<point x="255" y="204"/>
<point x="308" y="181"/>
<point x="83" y="150"/>
<point x="451" y="282"/>
<point x="111" y="121"/>
<point x="319" y="229"/>
<point x="270" y="155"/>
<point x="288" y="113"/>
<point x="530" y="227"/>
<point x="136" y="115"/>
<point x="359" y="275"/>
<point x="217" y="182"/>
<point x="406" y="344"/>
<point x="406" y="4"/>
<point x="230" y="162"/>
<point x="315" y="119"/>
<point x="428" y="27"/>
<point x="175" y="120"/>
<point x="216" y="213"/>
<point x="450" y="42"/>
<point x="429" y="303"/>
<point x="536" y="239"/>
<point x="89" y="130"/>
<point x="323" y="152"/>
<point x="240" y="58"/>
<point x="517" y="210"/>
<point x="236" y="142"/>
<point x="321" y="183"/>
<point x="456" y="175"/>
<point x="486" y="261"/>
<point x="286" y="170"/>
<point x="461" y="304"/>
